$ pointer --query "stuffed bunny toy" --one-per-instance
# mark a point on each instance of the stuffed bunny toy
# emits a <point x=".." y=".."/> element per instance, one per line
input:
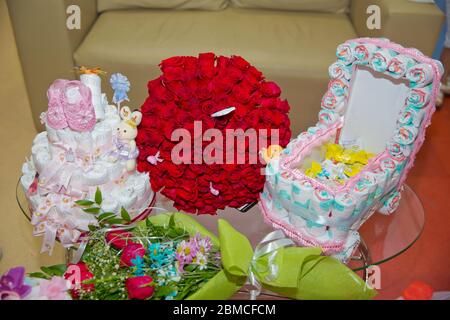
<point x="126" y="133"/>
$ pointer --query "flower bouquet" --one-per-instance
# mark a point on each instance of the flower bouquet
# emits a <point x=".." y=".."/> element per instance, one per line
<point x="171" y="256"/>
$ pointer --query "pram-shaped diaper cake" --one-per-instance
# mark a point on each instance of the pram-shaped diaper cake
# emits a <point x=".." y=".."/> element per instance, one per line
<point x="331" y="178"/>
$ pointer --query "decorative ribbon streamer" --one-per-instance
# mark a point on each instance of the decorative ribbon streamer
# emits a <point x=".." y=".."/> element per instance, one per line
<point x="268" y="245"/>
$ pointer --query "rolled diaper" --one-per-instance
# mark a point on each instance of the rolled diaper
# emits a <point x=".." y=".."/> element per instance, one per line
<point x="380" y="60"/>
<point x="420" y="75"/>
<point x="284" y="189"/>
<point x="419" y="97"/>
<point x="110" y="205"/>
<point x="328" y="117"/>
<point x="399" y="65"/>
<point x="97" y="176"/>
<point x="321" y="202"/>
<point x="387" y="165"/>
<point x="85" y="142"/>
<point x="381" y="179"/>
<point x="338" y="87"/>
<point x="138" y="183"/>
<point x="41" y="159"/>
<point x="339" y="70"/>
<point x="302" y="192"/>
<point x="412" y="116"/>
<point x="51" y="134"/>
<point x="66" y="136"/>
<point x="344" y="53"/>
<point x="371" y="182"/>
<point x="396" y="150"/>
<point x="391" y="167"/>
<point x="126" y="197"/>
<point x="344" y="205"/>
<point x="102" y="136"/>
<point x="406" y="134"/>
<point x="26" y="180"/>
<point x="332" y="102"/>
<point x="28" y="168"/>
<point x="360" y="192"/>
<point x="115" y="170"/>
<point x="41" y="139"/>
<point x="363" y="52"/>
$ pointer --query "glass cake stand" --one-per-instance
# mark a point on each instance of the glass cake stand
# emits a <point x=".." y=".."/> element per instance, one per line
<point x="382" y="237"/>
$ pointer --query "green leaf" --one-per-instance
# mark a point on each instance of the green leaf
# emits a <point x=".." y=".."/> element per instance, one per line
<point x="39" y="275"/>
<point x="125" y="215"/>
<point x="94" y="210"/>
<point x="164" y="291"/>
<point x="84" y="203"/>
<point x="190" y="267"/>
<point x="106" y="215"/>
<point x="115" y="221"/>
<point x="98" y="196"/>
<point x="172" y="221"/>
<point x="92" y="227"/>
<point x="56" y="270"/>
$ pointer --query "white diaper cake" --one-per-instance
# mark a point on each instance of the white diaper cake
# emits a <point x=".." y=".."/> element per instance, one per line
<point x="331" y="178"/>
<point x="88" y="146"/>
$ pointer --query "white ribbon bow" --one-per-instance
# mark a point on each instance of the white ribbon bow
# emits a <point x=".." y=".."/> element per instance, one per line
<point x="269" y="245"/>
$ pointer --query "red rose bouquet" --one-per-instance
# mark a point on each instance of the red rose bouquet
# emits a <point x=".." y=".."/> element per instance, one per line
<point x="196" y="95"/>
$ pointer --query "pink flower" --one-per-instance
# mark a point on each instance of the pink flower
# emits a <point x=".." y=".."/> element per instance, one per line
<point x="203" y="243"/>
<point x="54" y="289"/>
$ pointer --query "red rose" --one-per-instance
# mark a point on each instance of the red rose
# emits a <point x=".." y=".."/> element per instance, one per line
<point x="130" y="252"/>
<point x="157" y="91"/>
<point x="240" y="62"/>
<point x="77" y="278"/>
<point x="139" y="287"/>
<point x="119" y="239"/>
<point x="271" y="89"/>
<point x="206" y="64"/>
<point x="176" y="61"/>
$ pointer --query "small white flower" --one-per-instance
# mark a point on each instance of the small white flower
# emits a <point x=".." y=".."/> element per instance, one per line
<point x="200" y="260"/>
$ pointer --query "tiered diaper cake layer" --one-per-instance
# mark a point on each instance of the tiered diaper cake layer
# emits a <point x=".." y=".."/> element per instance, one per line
<point x="316" y="213"/>
<point x="77" y="154"/>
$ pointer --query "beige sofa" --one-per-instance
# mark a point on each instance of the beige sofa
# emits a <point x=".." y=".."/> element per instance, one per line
<point x="291" y="41"/>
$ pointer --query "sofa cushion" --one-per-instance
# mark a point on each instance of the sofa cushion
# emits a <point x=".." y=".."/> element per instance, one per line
<point x="295" y="5"/>
<point x="292" y="48"/>
<point x="104" y="5"/>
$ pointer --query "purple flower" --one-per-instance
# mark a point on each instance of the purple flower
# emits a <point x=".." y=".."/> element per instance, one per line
<point x="203" y="244"/>
<point x="12" y="286"/>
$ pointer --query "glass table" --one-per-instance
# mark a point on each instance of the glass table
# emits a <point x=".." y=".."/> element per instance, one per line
<point x="382" y="237"/>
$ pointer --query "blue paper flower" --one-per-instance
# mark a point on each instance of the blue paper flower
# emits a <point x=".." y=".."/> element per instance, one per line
<point x="171" y="295"/>
<point x="138" y="262"/>
<point x="160" y="255"/>
<point x="120" y="85"/>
